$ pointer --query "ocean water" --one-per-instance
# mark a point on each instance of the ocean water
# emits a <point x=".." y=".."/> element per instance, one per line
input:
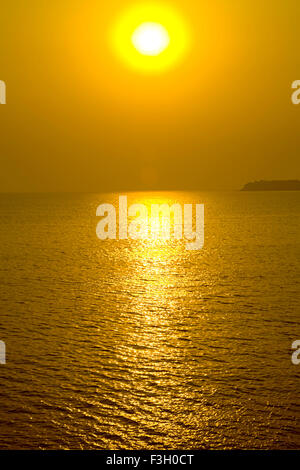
<point x="144" y="344"/>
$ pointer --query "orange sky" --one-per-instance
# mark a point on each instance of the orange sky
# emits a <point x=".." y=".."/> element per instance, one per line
<point x="78" y="118"/>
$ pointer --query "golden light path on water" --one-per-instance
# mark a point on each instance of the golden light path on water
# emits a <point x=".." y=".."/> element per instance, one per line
<point x="153" y="330"/>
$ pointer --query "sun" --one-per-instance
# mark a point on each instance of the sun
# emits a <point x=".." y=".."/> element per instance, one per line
<point x="150" y="37"/>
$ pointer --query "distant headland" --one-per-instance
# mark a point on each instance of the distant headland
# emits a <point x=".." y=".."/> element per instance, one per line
<point x="276" y="185"/>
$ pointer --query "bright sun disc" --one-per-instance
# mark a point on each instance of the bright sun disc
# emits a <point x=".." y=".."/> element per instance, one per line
<point x="150" y="38"/>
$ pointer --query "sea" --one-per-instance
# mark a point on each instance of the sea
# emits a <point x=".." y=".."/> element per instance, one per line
<point x="144" y="344"/>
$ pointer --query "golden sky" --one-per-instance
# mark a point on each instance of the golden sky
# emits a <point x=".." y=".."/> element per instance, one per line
<point x="79" y="118"/>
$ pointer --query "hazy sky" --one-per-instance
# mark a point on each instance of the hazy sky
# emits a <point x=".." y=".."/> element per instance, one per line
<point x="78" y="118"/>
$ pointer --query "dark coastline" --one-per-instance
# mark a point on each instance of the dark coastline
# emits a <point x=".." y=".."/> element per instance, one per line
<point x="280" y="185"/>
